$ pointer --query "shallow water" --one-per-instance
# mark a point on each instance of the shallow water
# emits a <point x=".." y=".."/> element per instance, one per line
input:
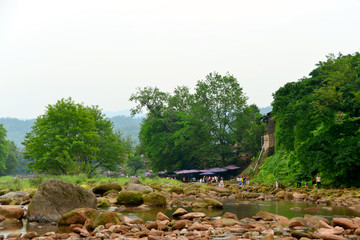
<point x="242" y="209"/>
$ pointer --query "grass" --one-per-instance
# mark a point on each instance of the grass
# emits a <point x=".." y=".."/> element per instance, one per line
<point x="28" y="184"/>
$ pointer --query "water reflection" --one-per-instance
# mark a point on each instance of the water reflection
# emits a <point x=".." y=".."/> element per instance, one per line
<point x="242" y="209"/>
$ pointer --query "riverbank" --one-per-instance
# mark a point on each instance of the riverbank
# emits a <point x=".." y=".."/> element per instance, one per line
<point x="197" y="198"/>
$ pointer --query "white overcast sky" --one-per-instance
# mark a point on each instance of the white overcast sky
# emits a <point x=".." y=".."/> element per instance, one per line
<point x="98" y="52"/>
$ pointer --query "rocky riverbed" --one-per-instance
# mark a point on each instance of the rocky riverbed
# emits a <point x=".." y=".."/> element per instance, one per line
<point x="78" y="213"/>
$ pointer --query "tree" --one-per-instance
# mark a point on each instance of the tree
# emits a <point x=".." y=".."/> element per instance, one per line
<point x="219" y="101"/>
<point x="183" y="130"/>
<point x="9" y="154"/>
<point x="72" y="138"/>
<point x="318" y="124"/>
<point x="3" y="148"/>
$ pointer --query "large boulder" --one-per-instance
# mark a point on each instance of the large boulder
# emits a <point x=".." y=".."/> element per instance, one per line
<point x="55" y="198"/>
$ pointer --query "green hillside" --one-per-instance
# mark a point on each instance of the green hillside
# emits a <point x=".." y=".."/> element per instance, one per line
<point x="16" y="128"/>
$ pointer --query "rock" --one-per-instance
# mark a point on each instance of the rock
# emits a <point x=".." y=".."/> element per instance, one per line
<point x="296" y="208"/>
<point x="132" y="180"/>
<point x="151" y="225"/>
<point x="331" y="237"/>
<point x="344" y="222"/>
<point x="281" y="194"/>
<point x="230" y="215"/>
<point x="106" y="217"/>
<point x="138" y="187"/>
<point x="193" y="215"/>
<point x="176" y="189"/>
<point x="217" y="223"/>
<point x="180" y="224"/>
<point x="212" y="203"/>
<point x="161" y="217"/>
<point x="333" y="231"/>
<point x="296" y="223"/>
<point x="228" y="222"/>
<point x="103" y="188"/>
<point x="179" y="212"/>
<point x="221" y="190"/>
<point x="81" y="231"/>
<point x="11" y="195"/>
<point x="14" y="235"/>
<point x="323" y="224"/>
<point x="130" y="198"/>
<point x="11" y="222"/>
<point x="30" y="235"/>
<point x="12" y="212"/>
<point x="268" y="236"/>
<point x="265" y="216"/>
<point x="299" y="235"/>
<point x="55" y="198"/>
<point x="154" y="199"/>
<point x="198" y="227"/>
<point x="78" y="216"/>
<point x="299" y="196"/>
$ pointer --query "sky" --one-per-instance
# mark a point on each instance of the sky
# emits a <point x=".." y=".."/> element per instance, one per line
<point x="99" y="52"/>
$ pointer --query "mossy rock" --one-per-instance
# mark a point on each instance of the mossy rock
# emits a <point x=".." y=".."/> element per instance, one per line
<point x="104" y="204"/>
<point x="130" y="198"/>
<point x="176" y="189"/>
<point x="104" y="218"/>
<point x="78" y="216"/>
<point x="103" y="188"/>
<point x="191" y="190"/>
<point x="212" y="203"/>
<point x="154" y="199"/>
<point x="4" y="191"/>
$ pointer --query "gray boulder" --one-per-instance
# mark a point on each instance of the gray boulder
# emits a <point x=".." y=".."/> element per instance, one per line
<point x="55" y="198"/>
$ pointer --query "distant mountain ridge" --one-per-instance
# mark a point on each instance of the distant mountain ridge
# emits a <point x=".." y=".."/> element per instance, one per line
<point x="265" y="110"/>
<point x="16" y="128"/>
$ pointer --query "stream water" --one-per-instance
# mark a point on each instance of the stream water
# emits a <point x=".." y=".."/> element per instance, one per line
<point x="242" y="209"/>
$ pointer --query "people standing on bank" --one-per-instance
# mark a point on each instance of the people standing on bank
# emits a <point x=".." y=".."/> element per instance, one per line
<point x="277" y="185"/>
<point x="318" y="181"/>
<point x="247" y="180"/>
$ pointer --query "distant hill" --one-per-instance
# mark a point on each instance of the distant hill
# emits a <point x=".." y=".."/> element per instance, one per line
<point x="265" y="110"/>
<point x="16" y="128"/>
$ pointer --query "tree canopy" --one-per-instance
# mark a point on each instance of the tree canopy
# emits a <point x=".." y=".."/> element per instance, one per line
<point x="185" y="130"/>
<point x="71" y="138"/>
<point x="9" y="154"/>
<point x="317" y="124"/>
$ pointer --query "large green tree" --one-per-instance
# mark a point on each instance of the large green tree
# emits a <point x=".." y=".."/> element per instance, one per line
<point x="71" y="138"/>
<point x="318" y="124"/>
<point x="185" y="130"/>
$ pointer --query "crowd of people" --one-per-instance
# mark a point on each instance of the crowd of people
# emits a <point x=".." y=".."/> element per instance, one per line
<point x="243" y="181"/>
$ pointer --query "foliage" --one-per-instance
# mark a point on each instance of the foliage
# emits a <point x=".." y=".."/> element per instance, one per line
<point x="72" y="138"/>
<point x="184" y="130"/>
<point x="9" y="154"/>
<point x="318" y="124"/>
